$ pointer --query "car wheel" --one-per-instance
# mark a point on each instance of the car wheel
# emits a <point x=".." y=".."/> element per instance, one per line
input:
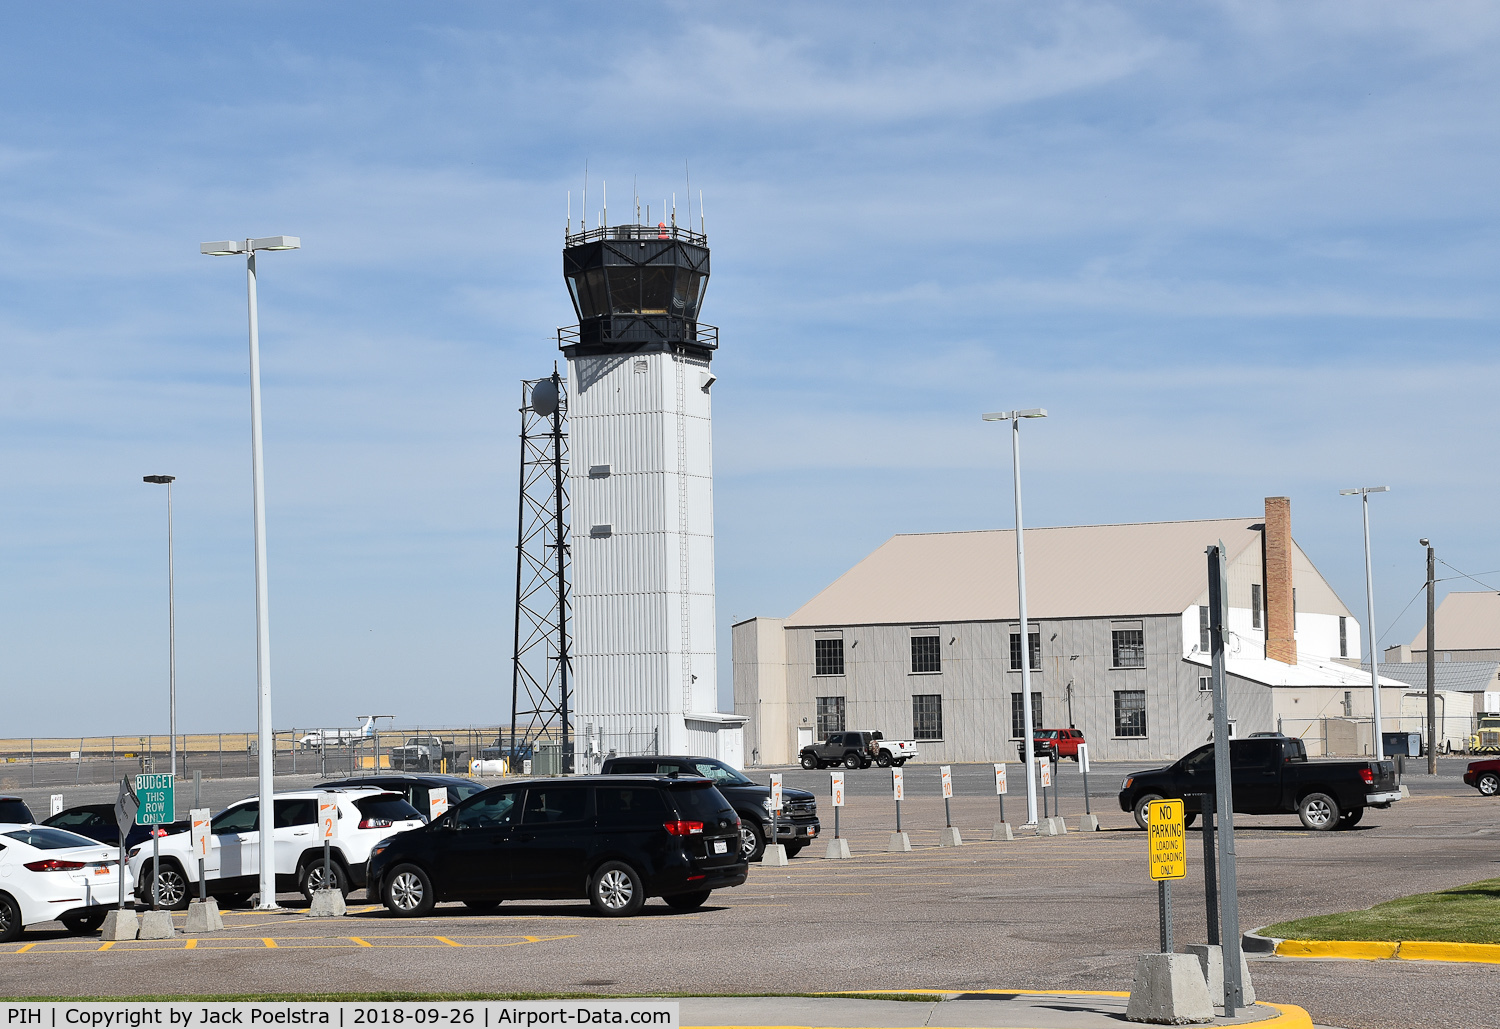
<point x="1140" y="807"/>
<point x="1489" y="784"/>
<point x="851" y="760"/>
<point x="169" y="887"/>
<point x="408" y="891"/>
<point x="482" y="907"/>
<point x="234" y="900"/>
<point x="1319" y="812"/>
<point x="687" y="901"/>
<point x="793" y="849"/>
<point x="616" y="890"/>
<point x="809" y="762"/>
<point x="1189" y="818"/>
<point x="313" y="879"/>
<point x="10" y="919"/>
<point x="81" y="923"/>
<point x="883" y="759"/>
<point x="752" y="841"/>
<point x="1351" y="818"/>
<point x="898" y="762"/>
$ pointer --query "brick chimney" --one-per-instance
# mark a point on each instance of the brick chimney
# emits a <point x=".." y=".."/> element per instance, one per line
<point x="1276" y="560"/>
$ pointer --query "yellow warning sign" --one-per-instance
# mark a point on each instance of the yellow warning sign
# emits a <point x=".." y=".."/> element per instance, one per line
<point x="1168" y="839"/>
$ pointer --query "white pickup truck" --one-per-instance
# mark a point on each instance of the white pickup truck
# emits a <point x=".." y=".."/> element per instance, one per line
<point x="894" y="752"/>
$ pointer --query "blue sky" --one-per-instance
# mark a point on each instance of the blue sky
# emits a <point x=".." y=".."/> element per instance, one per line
<point x="1237" y="249"/>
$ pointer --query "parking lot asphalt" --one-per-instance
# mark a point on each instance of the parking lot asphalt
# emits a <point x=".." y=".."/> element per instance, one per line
<point x="1069" y="912"/>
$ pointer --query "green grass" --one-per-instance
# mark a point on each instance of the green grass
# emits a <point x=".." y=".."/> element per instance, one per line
<point x="1464" y="914"/>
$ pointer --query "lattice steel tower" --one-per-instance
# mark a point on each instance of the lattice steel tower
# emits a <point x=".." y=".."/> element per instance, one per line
<point x="642" y="487"/>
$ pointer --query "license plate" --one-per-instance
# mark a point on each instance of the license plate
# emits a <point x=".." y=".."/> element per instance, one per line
<point x="721" y="846"/>
<point x="101" y="871"/>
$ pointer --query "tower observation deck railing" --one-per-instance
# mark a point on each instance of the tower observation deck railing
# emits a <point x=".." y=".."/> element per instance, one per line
<point x="641" y="232"/>
<point x="632" y="329"/>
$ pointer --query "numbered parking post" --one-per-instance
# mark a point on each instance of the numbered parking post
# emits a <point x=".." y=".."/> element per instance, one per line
<point x="57" y="804"/>
<point x="1044" y="780"/>
<point x="838" y="847"/>
<point x="1002" y="828"/>
<point x="199" y="817"/>
<point x="900" y="842"/>
<point x="437" y="803"/>
<point x="949" y="836"/>
<point x="328" y="822"/>
<point x="1167" y="840"/>
<point x="1088" y="821"/>
<point x="774" y="853"/>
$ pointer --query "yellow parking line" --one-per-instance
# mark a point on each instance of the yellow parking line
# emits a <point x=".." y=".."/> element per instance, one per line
<point x="361" y="942"/>
<point x="447" y="941"/>
<point x="190" y="945"/>
<point x="24" y="949"/>
<point x="270" y="943"/>
<point x="106" y="944"/>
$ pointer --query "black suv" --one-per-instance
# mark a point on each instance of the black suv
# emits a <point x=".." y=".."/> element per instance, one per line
<point x="14" y="809"/>
<point x="97" y="822"/>
<point x="415" y="788"/>
<point x="797" y="827"/>
<point x="613" y="840"/>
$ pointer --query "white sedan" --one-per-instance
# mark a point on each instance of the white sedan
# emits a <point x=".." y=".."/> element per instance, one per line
<point x="49" y="874"/>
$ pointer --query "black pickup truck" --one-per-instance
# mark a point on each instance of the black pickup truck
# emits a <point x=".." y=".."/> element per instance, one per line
<point x="1271" y="776"/>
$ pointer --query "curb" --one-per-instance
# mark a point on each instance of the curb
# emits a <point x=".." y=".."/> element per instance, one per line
<point x="1379" y="950"/>
<point x="1288" y="1016"/>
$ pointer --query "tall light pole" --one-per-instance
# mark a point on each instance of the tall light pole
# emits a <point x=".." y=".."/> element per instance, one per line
<point x="167" y="480"/>
<point x="1432" y="662"/>
<point x="267" y="745"/>
<point x="1014" y="417"/>
<point x="1363" y="493"/>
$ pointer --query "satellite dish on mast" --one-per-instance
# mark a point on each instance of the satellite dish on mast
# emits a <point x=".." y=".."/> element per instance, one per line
<point x="544" y="397"/>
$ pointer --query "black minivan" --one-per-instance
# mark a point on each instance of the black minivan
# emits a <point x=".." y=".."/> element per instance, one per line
<point x="614" y="840"/>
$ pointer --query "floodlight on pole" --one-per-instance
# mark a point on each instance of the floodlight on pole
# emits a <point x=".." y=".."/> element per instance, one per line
<point x="267" y="756"/>
<point x="1363" y="492"/>
<point x="167" y="480"/>
<point x="1028" y="730"/>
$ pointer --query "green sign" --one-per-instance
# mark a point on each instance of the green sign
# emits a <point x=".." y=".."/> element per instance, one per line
<point x="154" y="793"/>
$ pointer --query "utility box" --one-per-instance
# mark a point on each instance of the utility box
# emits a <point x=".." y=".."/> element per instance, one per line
<point x="1403" y="744"/>
<point x="548" y="758"/>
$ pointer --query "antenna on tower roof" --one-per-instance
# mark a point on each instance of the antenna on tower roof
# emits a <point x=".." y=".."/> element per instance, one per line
<point x="606" y="202"/>
<point x="702" y="225"/>
<point x="569" y="229"/>
<point x="635" y="193"/>
<point x="689" y="173"/>
<point x="674" y="210"/>
<point x="583" y="219"/>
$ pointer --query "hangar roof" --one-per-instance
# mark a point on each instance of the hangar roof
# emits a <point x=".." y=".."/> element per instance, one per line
<point x="1465" y="621"/>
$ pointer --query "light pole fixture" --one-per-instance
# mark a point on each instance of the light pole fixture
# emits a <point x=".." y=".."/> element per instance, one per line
<point x="267" y="744"/>
<point x="1363" y="493"/>
<point x="167" y="480"/>
<point x="1028" y="730"/>
<point x="1432" y="661"/>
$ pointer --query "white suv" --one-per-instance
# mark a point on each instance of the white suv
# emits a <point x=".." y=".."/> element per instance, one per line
<point x="232" y="869"/>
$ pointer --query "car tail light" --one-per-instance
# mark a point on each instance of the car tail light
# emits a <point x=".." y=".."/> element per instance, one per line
<point x="375" y="823"/>
<point x="159" y="831"/>
<point x="1368" y="776"/>
<point x="684" y="828"/>
<point x="54" y="865"/>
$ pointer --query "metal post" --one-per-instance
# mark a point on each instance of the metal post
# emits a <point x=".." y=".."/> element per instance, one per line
<point x="835" y="823"/>
<point x="1002" y="807"/>
<point x="1210" y="873"/>
<point x="197" y="787"/>
<point x="1229" y="905"/>
<point x="1086" y="809"/>
<point x="1432" y="663"/>
<point x="1164" y="909"/>
<point x="155" y="867"/>
<point x="947" y="813"/>
<point x="1364" y="503"/>
<point x="562" y="546"/>
<point x="898" y="816"/>
<point x="266" y="770"/>
<point x="171" y="635"/>
<point x="1015" y="451"/>
<point x="327" y="864"/>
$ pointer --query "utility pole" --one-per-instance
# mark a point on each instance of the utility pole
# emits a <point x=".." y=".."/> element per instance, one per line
<point x="1431" y="660"/>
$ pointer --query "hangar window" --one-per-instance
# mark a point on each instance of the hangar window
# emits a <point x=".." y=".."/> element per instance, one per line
<point x="1128" y="645"/>
<point x="927" y="716"/>
<point x="830" y="716"/>
<point x="1033" y="644"/>
<point x="1130" y="713"/>
<point x="828" y="657"/>
<point x="926" y="652"/>
<point x="1018" y="713"/>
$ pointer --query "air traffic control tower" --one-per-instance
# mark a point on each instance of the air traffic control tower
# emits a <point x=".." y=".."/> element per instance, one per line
<point x="641" y="430"/>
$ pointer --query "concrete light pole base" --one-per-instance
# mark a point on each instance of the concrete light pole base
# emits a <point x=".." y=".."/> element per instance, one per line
<point x="1169" y="989"/>
<point x="203" y="917"/>
<point x="775" y="854"/>
<point x="837" y="849"/>
<point x="1211" y="960"/>
<point x="156" y="925"/>
<point x="949" y="837"/>
<point x="330" y="903"/>
<point x="1088" y="823"/>
<point x="900" y="843"/>
<point x="120" y="925"/>
<point x="1002" y="832"/>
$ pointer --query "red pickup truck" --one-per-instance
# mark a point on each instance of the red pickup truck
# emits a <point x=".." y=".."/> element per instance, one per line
<point x="1054" y="743"/>
<point x="1484" y="776"/>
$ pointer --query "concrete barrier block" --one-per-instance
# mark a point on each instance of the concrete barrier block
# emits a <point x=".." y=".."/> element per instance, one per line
<point x="1088" y="823"/>
<point x="1211" y="961"/>
<point x="1169" y="989"/>
<point x="327" y="904"/>
<point x="838" y="849"/>
<point x="775" y="854"/>
<point x="156" y="925"/>
<point x="120" y="925"/>
<point x="1046" y="827"/>
<point x="1002" y="832"/>
<point x="1059" y="826"/>
<point x="1405" y="792"/>
<point x="900" y="843"/>
<point x="203" y="917"/>
<point x="949" y="837"/>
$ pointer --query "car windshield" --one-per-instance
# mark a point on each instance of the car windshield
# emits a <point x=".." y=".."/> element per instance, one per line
<point x="463" y="791"/>
<point x="1046" y="734"/>
<point x="718" y="771"/>
<point x="46" y="838"/>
